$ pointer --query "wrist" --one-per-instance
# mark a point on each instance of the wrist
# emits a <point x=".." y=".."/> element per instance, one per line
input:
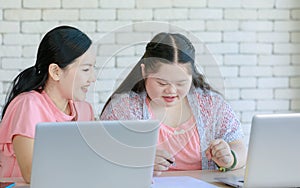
<point x="225" y="169"/>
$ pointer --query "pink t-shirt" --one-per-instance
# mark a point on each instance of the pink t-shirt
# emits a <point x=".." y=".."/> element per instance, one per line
<point x="182" y="142"/>
<point x="21" y="117"/>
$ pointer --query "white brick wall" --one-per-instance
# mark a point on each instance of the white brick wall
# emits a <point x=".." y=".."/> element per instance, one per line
<point x="259" y="71"/>
<point x="274" y="59"/>
<point x="208" y="14"/>
<point x="256" y="25"/>
<point x="273" y="82"/>
<point x="4" y="4"/>
<point x="189" y="3"/>
<point x="240" y="60"/>
<point x="56" y="14"/>
<point x="267" y="14"/>
<point x="170" y="14"/>
<point x="224" y="3"/>
<point x="255" y="43"/>
<point x="272" y="37"/>
<point x="225" y="25"/>
<point x="296" y="59"/>
<point x="79" y="3"/>
<point x="240" y="14"/>
<point x="17" y="63"/>
<point x="98" y="14"/>
<point x="295" y="14"/>
<point x="258" y="4"/>
<point x="154" y="4"/>
<point x="41" y="4"/>
<point x="22" y="14"/>
<point x="9" y="27"/>
<point x="117" y="4"/>
<point x="21" y="39"/>
<point x="287" y="4"/>
<point x="133" y="14"/>
<point x="295" y="105"/>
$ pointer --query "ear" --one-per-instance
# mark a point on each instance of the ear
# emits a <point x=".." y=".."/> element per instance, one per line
<point x="54" y="71"/>
<point x="143" y="70"/>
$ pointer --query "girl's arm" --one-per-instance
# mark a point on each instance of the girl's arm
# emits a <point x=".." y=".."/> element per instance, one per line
<point x="23" y="147"/>
<point x="239" y="148"/>
<point x="227" y="155"/>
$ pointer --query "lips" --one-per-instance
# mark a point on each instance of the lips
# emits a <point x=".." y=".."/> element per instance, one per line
<point x="85" y="88"/>
<point x="169" y="98"/>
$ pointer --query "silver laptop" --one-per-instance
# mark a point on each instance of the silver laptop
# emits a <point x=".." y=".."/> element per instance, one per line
<point x="273" y="154"/>
<point x="94" y="154"/>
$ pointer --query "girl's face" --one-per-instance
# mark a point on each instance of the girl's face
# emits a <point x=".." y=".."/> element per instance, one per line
<point x="78" y="76"/>
<point x="169" y="85"/>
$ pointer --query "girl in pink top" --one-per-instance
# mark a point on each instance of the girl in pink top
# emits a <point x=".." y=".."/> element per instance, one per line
<point x="198" y="128"/>
<point x="54" y="89"/>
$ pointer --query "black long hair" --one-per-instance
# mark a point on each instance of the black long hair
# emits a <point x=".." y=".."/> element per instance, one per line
<point x="61" y="45"/>
<point x="166" y="48"/>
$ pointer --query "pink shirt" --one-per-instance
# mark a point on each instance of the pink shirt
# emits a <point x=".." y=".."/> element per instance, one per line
<point x="182" y="142"/>
<point x="21" y="117"/>
<point x="213" y="116"/>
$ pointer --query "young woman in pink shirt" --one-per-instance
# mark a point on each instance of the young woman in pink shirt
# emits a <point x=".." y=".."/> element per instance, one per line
<point x="54" y="89"/>
<point x="198" y="129"/>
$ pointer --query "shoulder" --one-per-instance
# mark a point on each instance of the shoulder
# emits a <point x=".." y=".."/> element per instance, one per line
<point x="128" y="97"/>
<point x="82" y="105"/>
<point x="29" y="95"/>
<point x="85" y="110"/>
<point x="127" y="105"/>
<point x="30" y="98"/>
<point x="24" y="112"/>
<point x="208" y="97"/>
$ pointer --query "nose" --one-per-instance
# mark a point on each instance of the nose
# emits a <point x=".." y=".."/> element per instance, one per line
<point x="92" y="77"/>
<point x="171" y="88"/>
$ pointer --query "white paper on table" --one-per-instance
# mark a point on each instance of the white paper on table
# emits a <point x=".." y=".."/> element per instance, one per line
<point x="179" y="182"/>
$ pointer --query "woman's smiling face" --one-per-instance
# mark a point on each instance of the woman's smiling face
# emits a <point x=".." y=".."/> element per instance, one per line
<point x="78" y="76"/>
<point x="170" y="84"/>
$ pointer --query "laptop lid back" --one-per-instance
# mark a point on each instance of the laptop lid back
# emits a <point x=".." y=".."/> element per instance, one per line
<point x="274" y="152"/>
<point x="94" y="154"/>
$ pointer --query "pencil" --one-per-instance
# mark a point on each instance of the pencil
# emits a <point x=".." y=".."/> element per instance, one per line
<point x="171" y="162"/>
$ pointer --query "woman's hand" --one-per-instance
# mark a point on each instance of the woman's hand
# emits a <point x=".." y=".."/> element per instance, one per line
<point x="163" y="161"/>
<point x="219" y="151"/>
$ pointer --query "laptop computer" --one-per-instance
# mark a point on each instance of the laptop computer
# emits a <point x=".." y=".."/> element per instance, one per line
<point x="94" y="154"/>
<point x="273" y="154"/>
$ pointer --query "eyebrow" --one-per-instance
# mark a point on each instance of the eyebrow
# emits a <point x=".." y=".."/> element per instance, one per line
<point x="88" y="64"/>
<point x="160" y="79"/>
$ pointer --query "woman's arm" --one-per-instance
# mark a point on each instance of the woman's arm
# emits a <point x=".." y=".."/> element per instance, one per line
<point x="221" y="153"/>
<point x="239" y="148"/>
<point x="23" y="147"/>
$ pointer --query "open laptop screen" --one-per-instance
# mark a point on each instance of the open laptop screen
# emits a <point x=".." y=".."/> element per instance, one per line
<point x="273" y="155"/>
<point x="94" y="154"/>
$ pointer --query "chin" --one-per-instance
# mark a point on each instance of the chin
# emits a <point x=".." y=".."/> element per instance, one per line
<point x="79" y="98"/>
<point x="174" y="103"/>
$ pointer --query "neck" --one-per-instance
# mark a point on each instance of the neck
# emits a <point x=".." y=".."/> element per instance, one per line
<point x="60" y="102"/>
<point x="173" y="115"/>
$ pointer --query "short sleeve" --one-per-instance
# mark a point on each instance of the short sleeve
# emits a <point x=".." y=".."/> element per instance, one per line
<point x="21" y="117"/>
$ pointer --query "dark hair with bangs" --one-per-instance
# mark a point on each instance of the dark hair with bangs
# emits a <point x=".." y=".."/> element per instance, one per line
<point x="164" y="48"/>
